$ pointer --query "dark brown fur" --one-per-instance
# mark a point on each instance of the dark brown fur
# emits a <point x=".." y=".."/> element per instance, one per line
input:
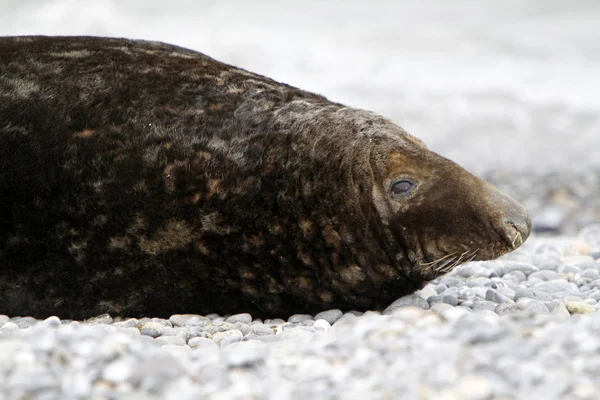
<point x="138" y="178"/>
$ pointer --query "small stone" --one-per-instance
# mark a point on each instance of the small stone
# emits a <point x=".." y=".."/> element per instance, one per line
<point x="533" y="307"/>
<point x="189" y="320"/>
<point x="170" y="340"/>
<point x="227" y="337"/>
<point x="545" y="275"/>
<point x="449" y="299"/>
<point x="505" y="308"/>
<point x="261" y="330"/>
<point x="451" y="281"/>
<point x="128" y="323"/>
<point x="474" y="387"/>
<point x="100" y="319"/>
<point x="435" y="299"/>
<point x="245" y="354"/>
<point x="321" y="324"/>
<point x="515" y="276"/>
<point x="52" y="322"/>
<point x="440" y="288"/>
<point x="330" y="315"/>
<point x="200" y="342"/>
<point x="557" y="285"/>
<point x="496" y="297"/>
<point x="151" y="329"/>
<point x="25" y="322"/>
<point x="480" y="305"/>
<point x="561" y="311"/>
<point x="119" y="370"/>
<point x="526" y="269"/>
<point x="593" y="274"/>
<point x="535" y="294"/>
<point x="580" y="307"/>
<point x="426" y="292"/>
<point x="244" y="318"/>
<point x="440" y="307"/>
<point x="549" y="219"/>
<point x="299" y="318"/>
<point x="10" y="327"/>
<point x="407" y="301"/>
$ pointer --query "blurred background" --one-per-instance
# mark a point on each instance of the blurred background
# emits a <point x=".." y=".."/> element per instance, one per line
<point x="509" y="89"/>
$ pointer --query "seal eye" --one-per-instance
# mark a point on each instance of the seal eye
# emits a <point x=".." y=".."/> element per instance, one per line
<point x="403" y="187"/>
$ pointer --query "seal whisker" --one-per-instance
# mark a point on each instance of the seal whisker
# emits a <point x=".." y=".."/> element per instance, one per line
<point x="438" y="260"/>
<point x="445" y="265"/>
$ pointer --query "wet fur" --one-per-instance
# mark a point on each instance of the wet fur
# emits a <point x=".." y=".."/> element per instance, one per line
<point x="139" y="178"/>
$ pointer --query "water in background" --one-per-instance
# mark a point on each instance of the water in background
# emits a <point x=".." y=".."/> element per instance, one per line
<point x="491" y="84"/>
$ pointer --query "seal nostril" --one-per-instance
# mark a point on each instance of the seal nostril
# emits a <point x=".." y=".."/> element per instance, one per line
<point x="522" y="226"/>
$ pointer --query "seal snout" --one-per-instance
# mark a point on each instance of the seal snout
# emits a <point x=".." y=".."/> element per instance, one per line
<point x="514" y="223"/>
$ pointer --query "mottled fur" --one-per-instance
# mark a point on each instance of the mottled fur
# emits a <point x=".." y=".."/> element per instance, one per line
<point x="138" y="178"/>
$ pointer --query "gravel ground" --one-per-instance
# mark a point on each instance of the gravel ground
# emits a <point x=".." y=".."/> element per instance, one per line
<point x="507" y="89"/>
<point x="524" y="326"/>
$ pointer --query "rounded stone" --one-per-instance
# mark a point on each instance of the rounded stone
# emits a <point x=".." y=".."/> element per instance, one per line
<point x="244" y="318"/>
<point x="411" y="300"/>
<point x="330" y="315"/>
<point x="151" y="329"/>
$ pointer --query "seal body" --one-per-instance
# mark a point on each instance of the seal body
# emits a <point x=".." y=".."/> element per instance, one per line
<point x="138" y="178"/>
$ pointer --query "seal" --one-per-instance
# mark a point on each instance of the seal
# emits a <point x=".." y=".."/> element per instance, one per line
<point x="139" y="178"/>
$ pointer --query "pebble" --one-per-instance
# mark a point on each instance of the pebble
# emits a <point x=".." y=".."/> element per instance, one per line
<point x="243" y="318"/>
<point x="495" y="297"/>
<point x="189" y="320"/>
<point x="407" y="301"/>
<point x="52" y="322"/>
<point x="536" y="294"/>
<point x="330" y="315"/>
<point x="321" y="324"/>
<point x="151" y="329"/>
<point x="299" y="318"/>
<point x="580" y="307"/>
<point x="100" y="319"/>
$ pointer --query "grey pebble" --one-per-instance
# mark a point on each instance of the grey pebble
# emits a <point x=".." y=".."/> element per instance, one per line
<point x="170" y="340"/>
<point x="100" y="319"/>
<point x="515" y="276"/>
<point x="480" y="305"/>
<point x="232" y="336"/>
<point x="25" y="322"/>
<point x="244" y="318"/>
<point x="533" y="307"/>
<point x="545" y="275"/>
<point x="128" y="323"/>
<point x="330" y="315"/>
<point x="52" y="322"/>
<point x="450" y="281"/>
<point x="536" y="294"/>
<point x="261" y="330"/>
<point x="557" y="285"/>
<point x="189" y="320"/>
<point x="245" y="354"/>
<point x="526" y="269"/>
<point x="505" y="308"/>
<point x="407" y="301"/>
<point x="440" y="288"/>
<point x="299" y="318"/>
<point x="151" y="329"/>
<point x="495" y="296"/>
<point x="593" y="274"/>
<point x="200" y="342"/>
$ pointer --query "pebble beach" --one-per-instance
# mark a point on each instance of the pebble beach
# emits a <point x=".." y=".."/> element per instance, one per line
<point x="508" y="90"/>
